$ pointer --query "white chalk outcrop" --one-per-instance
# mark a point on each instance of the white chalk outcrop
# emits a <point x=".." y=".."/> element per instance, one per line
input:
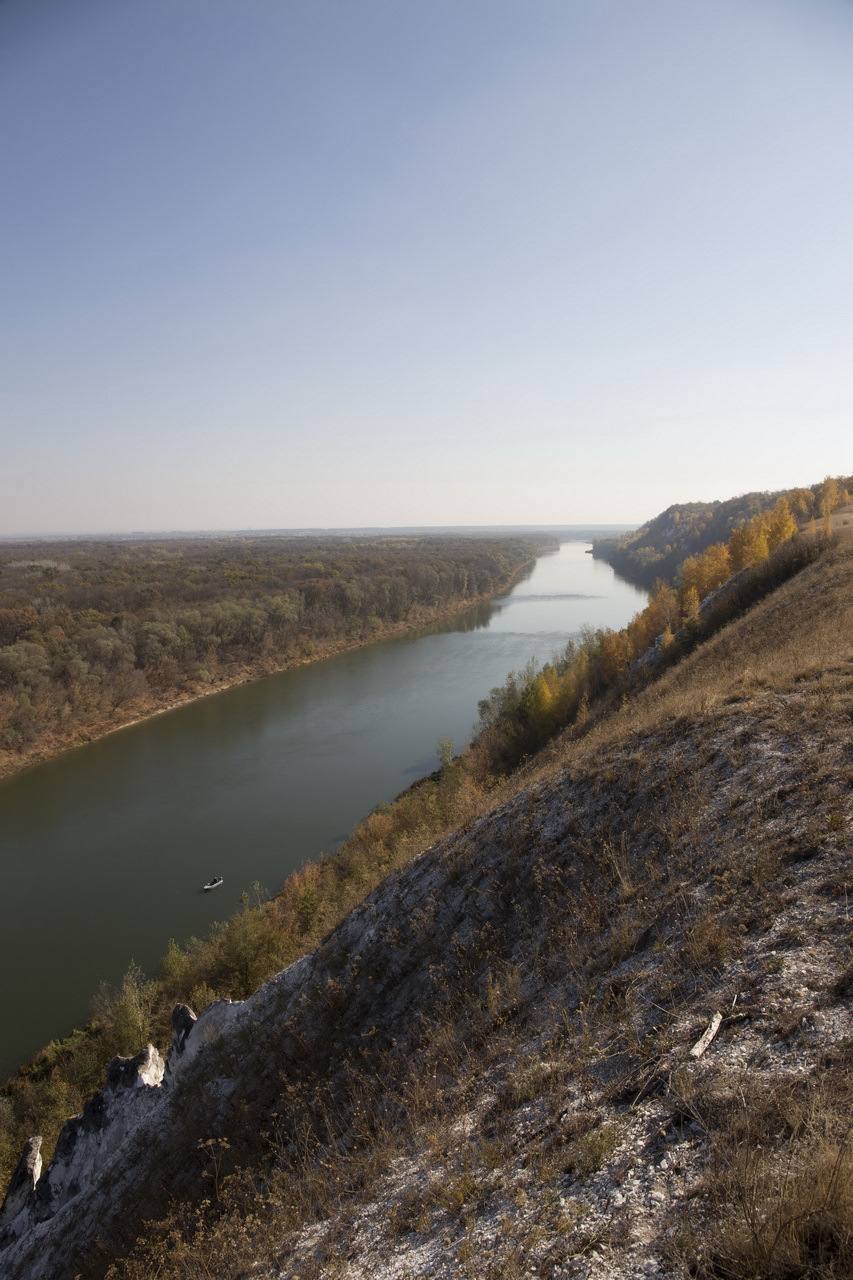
<point x="94" y="1150"/>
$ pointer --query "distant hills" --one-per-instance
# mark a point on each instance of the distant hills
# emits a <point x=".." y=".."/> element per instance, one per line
<point x="659" y="547"/>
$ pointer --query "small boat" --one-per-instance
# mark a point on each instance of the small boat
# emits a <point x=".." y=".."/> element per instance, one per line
<point x="213" y="884"/>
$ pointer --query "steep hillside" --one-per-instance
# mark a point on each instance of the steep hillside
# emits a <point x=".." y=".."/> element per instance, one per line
<point x="658" y="548"/>
<point x="487" y="1068"/>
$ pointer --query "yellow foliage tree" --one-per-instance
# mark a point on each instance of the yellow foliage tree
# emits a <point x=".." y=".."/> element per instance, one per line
<point x="828" y="496"/>
<point x="661" y="612"/>
<point x="781" y="525"/>
<point x="690" y="578"/>
<point x="716" y="567"/>
<point x="748" y="544"/>
<point x="541" y="705"/>
<point x="613" y="654"/>
<point x="801" y="503"/>
<point x="690" y="603"/>
<point x="705" y="572"/>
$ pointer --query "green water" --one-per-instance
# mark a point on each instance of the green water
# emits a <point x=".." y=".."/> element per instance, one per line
<point x="105" y="849"/>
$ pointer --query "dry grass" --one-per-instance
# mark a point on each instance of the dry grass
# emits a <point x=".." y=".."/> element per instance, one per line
<point x="534" y="980"/>
<point x="800" y="633"/>
<point x="780" y="1183"/>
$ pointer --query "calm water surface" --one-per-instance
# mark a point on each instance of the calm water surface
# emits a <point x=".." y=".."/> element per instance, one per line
<point x="105" y="849"/>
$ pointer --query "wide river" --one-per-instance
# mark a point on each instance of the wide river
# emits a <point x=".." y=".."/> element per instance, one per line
<point x="104" y="849"/>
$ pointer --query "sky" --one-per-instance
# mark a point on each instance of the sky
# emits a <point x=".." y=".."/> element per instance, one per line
<point x="336" y="263"/>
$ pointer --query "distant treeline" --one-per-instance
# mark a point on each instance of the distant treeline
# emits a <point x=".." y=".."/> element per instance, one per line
<point x="659" y="548"/>
<point x="92" y="632"/>
<point x="534" y="704"/>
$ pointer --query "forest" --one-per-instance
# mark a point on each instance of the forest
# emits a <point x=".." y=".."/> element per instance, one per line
<point x="658" y="548"/>
<point x="758" y="551"/>
<point x="96" y="633"/>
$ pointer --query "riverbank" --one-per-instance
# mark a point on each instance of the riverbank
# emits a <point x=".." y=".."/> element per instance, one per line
<point x="145" y="708"/>
<point x="308" y="740"/>
<point x="522" y="1016"/>
<point x="250" y="785"/>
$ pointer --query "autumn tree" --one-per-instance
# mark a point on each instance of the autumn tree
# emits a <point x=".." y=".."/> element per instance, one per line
<point x="801" y="503"/>
<point x="613" y="654"/>
<point x="690" y="603"/>
<point x="703" y="573"/>
<point x="828" y="496"/>
<point x="661" y="612"/>
<point x="748" y="545"/>
<point x="541" y="702"/>
<point x="781" y="525"/>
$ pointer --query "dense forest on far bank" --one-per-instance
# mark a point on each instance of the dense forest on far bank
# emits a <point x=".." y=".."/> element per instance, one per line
<point x="94" y="634"/>
<point x="658" y="548"/>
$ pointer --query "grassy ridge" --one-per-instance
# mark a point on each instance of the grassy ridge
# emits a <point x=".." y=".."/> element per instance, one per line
<point x="659" y="548"/>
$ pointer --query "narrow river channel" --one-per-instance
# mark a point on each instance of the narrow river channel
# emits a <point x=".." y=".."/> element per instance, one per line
<point x="105" y="849"/>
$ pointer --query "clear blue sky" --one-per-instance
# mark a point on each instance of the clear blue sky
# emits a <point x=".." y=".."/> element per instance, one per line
<point x="273" y="263"/>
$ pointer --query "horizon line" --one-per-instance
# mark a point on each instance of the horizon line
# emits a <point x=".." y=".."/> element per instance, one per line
<point x="309" y="530"/>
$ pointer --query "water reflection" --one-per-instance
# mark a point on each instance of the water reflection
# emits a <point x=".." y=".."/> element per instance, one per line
<point x="557" y="595"/>
<point x="477" y="618"/>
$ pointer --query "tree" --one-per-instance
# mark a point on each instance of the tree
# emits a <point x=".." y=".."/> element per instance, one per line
<point x="661" y="612"/>
<point x="828" y="496"/>
<point x="801" y="503"/>
<point x="703" y="573"/>
<point x="612" y="654"/>
<point x="781" y="525"/>
<point x="748" y="544"/>
<point x="690" y="603"/>
<point x="542" y="701"/>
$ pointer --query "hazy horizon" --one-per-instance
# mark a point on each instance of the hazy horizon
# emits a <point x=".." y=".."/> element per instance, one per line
<point x="314" y="531"/>
<point x="315" y="264"/>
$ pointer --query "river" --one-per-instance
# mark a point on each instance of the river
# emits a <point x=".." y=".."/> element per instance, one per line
<point x="104" y="849"/>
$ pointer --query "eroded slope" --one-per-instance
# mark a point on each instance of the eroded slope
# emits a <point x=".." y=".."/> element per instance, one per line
<point x="486" y="1068"/>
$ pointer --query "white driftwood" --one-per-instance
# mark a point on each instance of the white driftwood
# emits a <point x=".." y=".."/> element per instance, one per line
<point x="707" y="1036"/>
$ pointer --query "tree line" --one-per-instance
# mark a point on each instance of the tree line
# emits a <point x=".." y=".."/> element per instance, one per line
<point x="532" y="705"/>
<point x="658" y="548"/>
<point x="94" y="632"/>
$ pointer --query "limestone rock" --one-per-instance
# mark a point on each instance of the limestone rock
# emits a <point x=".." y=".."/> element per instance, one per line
<point x="183" y="1022"/>
<point x="22" y="1184"/>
